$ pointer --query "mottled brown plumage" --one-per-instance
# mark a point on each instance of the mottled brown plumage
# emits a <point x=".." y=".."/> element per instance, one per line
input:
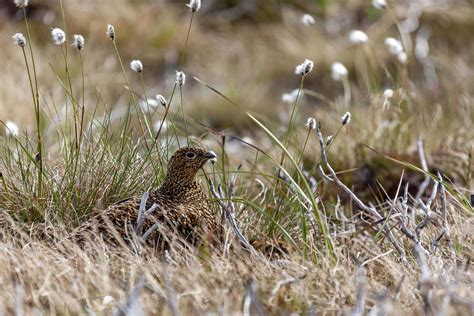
<point x="182" y="208"/>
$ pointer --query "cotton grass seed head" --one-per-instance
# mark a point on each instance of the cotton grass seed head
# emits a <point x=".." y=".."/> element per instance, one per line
<point x="402" y="58"/>
<point x="162" y="124"/>
<point x="19" y="39"/>
<point x="148" y="105"/>
<point x="78" y="41"/>
<point x="21" y="3"/>
<point x="310" y="123"/>
<point x="11" y="129"/>
<point x="136" y="66"/>
<point x="180" y="78"/>
<point x="329" y="140"/>
<point x="358" y="37"/>
<point x="290" y="98"/>
<point x="107" y="300"/>
<point x="388" y="93"/>
<point x="110" y="32"/>
<point x="194" y="5"/>
<point x="304" y="68"/>
<point x="307" y="20"/>
<point x="346" y="118"/>
<point x="394" y="46"/>
<point x="379" y="4"/>
<point x="161" y="100"/>
<point x="339" y="71"/>
<point x="58" y="36"/>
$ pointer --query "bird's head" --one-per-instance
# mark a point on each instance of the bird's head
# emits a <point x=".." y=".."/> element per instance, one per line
<point x="186" y="162"/>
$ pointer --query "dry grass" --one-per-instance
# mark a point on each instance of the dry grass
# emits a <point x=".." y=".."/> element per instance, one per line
<point x="248" y="54"/>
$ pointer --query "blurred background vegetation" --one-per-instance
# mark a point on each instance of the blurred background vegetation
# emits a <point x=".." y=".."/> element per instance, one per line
<point x="248" y="50"/>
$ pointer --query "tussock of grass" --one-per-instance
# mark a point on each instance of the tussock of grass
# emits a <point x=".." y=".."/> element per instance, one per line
<point x="345" y="237"/>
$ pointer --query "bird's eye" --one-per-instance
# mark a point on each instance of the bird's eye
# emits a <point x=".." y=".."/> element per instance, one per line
<point x="190" y="155"/>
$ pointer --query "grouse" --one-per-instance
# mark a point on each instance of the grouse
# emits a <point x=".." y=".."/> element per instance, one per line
<point x="178" y="208"/>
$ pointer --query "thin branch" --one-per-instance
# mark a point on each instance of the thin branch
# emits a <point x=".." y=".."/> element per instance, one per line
<point x="141" y="211"/>
<point x="403" y="227"/>
<point x="361" y="289"/>
<point x="149" y="231"/>
<point x="342" y="186"/>
<point x="283" y="283"/>
<point x="228" y="212"/>
<point x="132" y="306"/>
<point x="424" y="166"/>
<point x="325" y="177"/>
<point x="446" y="230"/>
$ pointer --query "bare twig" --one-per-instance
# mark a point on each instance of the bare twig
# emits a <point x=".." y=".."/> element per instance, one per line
<point x="360" y="204"/>
<point x="149" y="231"/>
<point x="403" y="227"/>
<point x="424" y="166"/>
<point x="425" y="277"/>
<point x="251" y="298"/>
<point x="228" y="211"/>
<point x="283" y="283"/>
<point x="325" y="177"/>
<point x="141" y="211"/>
<point x="171" y="297"/>
<point x="421" y="260"/>
<point x="446" y="231"/>
<point x="398" y="289"/>
<point x="427" y="209"/>
<point x="132" y="306"/>
<point x="18" y="296"/>
<point x="142" y="214"/>
<point x="361" y="287"/>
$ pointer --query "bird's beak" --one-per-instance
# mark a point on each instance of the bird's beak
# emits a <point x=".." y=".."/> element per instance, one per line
<point x="210" y="155"/>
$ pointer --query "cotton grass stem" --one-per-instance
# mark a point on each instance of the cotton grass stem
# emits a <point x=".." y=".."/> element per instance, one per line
<point x="183" y="54"/>
<point x="304" y="146"/>
<point x="83" y="108"/>
<point x="183" y="114"/>
<point x="290" y="122"/>
<point x="150" y="131"/>
<point x="132" y="97"/>
<point x="36" y="104"/>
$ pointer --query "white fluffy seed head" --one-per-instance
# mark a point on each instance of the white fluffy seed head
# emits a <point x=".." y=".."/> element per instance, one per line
<point x="339" y="71"/>
<point x="310" y="123"/>
<point x="307" y="20"/>
<point x="402" y="58"/>
<point x="394" y="46"/>
<point x="379" y="4"/>
<point x="304" y="68"/>
<point x="161" y="100"/>
<point x="110" y="32"/>
<point x="358" y="37"/>
<point x="21" y="3"/>
<point x="329" y="140"/>
<point x="162" y="124"/>
<point x="58" y="36"/>
<point x="346" y="118"/>
<point x="148" y="105"/>
<point x="387" y="94"/>
<point x="180" y="78"/>
<point x="194" y="5"/>
<point x="136" y="66"/>
<point x="290" y="97"/>
<point x="19" y="39"/>
<point x="11" y="129"/>
<point x="78" y="41"/>
<point x="107" y="300"/>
